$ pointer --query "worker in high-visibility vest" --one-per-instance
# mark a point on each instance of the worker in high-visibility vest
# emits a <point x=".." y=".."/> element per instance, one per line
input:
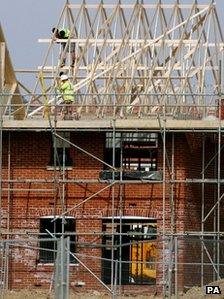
<point x="65" y="34"/>
<point x="66" y="89"/>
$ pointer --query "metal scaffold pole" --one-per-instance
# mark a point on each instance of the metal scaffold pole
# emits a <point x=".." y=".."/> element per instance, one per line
<point x="172" y="222"/>
<point x="164" y="204"/>
<point x="219" y="170"/>
<point x="2" y="82"/>
<point x="113" y="211"/>
<point x="4" y="255"/>
<point x="202" y="209"/>
<point x="121" y="213"/>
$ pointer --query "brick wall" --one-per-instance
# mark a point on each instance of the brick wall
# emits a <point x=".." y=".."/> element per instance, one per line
<point x="30" y="156"/>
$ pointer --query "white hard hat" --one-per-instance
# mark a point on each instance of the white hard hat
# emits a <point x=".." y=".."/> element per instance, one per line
<point x="64" y="77"/>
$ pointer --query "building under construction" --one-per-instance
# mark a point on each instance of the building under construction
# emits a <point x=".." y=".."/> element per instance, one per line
<point x="125" y="196"/>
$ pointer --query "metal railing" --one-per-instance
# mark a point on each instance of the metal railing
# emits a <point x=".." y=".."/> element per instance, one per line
<point x="180" y="261"/>
<point x="120" y="106"/>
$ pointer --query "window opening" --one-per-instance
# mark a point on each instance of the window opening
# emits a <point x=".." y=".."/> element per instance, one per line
<point x="46" y="256"/>
<point x="63" y="148"/>
<point x="139" y="150"/>
<point x="138" y="251"/>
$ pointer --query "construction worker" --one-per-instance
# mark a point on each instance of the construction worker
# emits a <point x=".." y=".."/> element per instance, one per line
<point x="66" y="89"/>
<point x="65" y="34"/>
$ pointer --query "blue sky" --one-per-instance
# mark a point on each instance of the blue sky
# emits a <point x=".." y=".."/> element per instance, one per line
<point x="24" y="21"/>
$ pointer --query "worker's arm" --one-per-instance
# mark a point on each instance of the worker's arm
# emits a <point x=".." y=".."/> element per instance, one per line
<point x="64" y="86"/>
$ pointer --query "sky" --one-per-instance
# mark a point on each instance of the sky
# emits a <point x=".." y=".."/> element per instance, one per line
<point x="25" y="21"/>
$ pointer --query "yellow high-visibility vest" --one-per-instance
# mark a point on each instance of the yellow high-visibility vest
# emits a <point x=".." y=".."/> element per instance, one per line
<point x="67" y="91"/>
<point x="66" y="31"/>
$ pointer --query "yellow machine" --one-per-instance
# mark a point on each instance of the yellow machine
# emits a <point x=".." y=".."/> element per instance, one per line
<point x="145" y="252"/>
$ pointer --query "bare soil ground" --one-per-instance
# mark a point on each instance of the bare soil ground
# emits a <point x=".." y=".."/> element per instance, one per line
<point x="193" y="293"/>
<point x="198" y="293"/>
<point x="31" y="294"/>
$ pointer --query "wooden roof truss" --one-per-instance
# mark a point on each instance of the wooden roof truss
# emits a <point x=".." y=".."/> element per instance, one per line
<point x="138" y="55"/>
<point x="11" y="100"/>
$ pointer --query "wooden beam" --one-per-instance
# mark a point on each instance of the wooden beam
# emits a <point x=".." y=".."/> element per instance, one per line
<point x="8" y="81"/>
<point x="131" y="6"/>
<point x="2" y="66"/>
<point x="123" y="77"/>
<point x="154" y="42"/>
<point x="105" y="68"/>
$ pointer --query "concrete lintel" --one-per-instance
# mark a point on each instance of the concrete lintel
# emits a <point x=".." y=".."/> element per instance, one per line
<point x="142" y="124"/>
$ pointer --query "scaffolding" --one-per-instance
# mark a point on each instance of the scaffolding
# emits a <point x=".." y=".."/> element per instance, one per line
<point x="146" y="68"/>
